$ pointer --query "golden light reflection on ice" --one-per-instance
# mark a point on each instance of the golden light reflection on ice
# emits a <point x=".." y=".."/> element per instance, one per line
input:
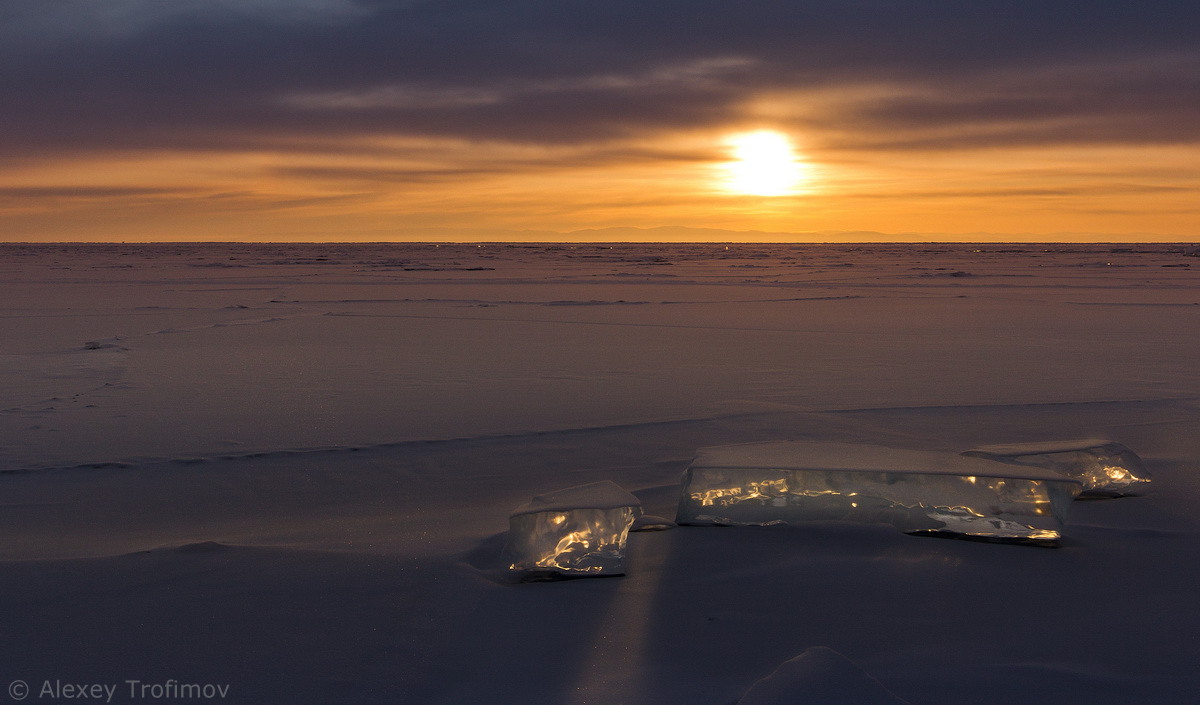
<point x="1016" y="508"/>
<point x="1117" y="474"/>
<point x="572" y="544"/>
<point x="579" y="542"/>
<point x="1045" y="535"/>
<point x="1105" y="469"/>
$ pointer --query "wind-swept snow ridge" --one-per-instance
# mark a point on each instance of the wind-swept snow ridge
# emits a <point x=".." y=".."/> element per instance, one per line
<point x="819" y="676"/>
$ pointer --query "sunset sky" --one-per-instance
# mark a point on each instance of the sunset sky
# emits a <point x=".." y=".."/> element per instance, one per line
<point x="477" y="119"/>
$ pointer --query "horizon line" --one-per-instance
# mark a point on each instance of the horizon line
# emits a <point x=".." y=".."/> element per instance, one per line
<point x="601" y="242"/>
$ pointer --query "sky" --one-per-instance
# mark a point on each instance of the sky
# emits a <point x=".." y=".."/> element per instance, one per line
<point x="284" y="120"/>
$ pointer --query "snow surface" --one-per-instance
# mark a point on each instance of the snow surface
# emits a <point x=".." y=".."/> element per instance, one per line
<point x="594" y="495"/>
<point x="289" y="468"/>
<point x="819" y="676"/>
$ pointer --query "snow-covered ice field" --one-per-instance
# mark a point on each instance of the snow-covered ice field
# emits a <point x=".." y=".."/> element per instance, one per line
<point x="288" y="469"/>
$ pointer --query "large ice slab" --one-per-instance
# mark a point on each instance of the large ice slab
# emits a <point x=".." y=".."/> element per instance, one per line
<point x="918" y="492"/>
<point x="578" y="531"/>
<point x="1105" y="467"/>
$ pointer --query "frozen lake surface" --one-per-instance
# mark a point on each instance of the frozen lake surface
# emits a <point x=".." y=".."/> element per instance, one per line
<point x="289" y="468"/>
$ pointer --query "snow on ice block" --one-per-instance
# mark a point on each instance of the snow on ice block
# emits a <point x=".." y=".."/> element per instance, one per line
<point x="1104" y="467"/>
<point x="578" y="531"/>
<point x="918" y="492"/>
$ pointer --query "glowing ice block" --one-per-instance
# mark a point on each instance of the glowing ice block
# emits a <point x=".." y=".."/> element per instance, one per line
<point x="1104" y="467"/>
<point x="578" y="531"/>
<point x="918" y="492"/>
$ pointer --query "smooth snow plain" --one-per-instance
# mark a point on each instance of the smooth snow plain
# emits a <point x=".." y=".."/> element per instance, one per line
<point x="288" y="469"/>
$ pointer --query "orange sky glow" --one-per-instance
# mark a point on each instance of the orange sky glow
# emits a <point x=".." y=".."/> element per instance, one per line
<point x="1016" y="146"/>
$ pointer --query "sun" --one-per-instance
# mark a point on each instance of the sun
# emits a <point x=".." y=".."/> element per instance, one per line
<point x="764" y="164"/>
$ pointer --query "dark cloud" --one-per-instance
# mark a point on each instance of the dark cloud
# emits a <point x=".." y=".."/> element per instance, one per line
<point x="1151" y="99"/>
<point x="124" y="74"/>
<point x="487" y="167"/>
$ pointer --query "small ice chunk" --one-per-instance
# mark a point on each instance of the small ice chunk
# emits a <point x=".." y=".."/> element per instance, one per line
<point x="578" y="531"/>
<point x="1104" y="467"/>
<point x="919" y="492"/>
<point x="819" y="676"/>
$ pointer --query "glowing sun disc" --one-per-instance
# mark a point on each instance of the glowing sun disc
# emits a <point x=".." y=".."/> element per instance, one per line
<point x="764" y="164"/>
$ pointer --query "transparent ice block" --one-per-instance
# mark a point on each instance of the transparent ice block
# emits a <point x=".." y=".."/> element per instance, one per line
<point x="1105" y="468"/>
<point x="918" y="492"/>
<point x="578" y="531"/>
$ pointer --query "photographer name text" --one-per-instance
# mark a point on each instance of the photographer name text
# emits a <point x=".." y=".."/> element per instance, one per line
<point x="170" y="689"/>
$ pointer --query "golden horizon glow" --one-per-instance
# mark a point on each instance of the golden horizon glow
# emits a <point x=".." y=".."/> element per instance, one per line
<point x="765" y="164"/>
<point x="363" y="134"/>
<point x="426" y="189"/>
